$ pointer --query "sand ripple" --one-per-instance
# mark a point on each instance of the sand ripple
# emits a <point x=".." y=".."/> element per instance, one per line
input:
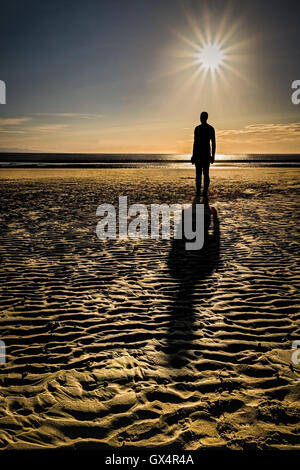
<point x="141" y="343"/>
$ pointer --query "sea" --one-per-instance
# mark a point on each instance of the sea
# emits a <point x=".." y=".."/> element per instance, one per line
<point x="119" y="160"/>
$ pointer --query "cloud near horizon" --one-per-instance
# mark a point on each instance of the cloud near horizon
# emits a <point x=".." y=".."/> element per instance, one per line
<point x="48" y="127"/>
<point x="264" y="138"/>
<point x="71" y="115"/>
<point x="13" y="121"/>
<point x="25" y="132"/>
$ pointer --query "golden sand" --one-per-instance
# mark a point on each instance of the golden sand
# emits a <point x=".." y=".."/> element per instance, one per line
<point x="139" y="343"/>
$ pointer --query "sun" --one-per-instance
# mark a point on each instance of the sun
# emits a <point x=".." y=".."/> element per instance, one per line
<point x="211" y="56"/>
<point x="212" y="51"/>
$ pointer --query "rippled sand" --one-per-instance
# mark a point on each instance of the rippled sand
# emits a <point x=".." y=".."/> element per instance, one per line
<point x="141" y="343"/>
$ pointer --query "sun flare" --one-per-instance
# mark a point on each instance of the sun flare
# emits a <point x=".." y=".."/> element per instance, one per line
<point x="211" y="51"/>
<point x="211" y="56"/>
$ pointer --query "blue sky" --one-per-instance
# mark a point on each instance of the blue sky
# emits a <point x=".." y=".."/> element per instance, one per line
<point x="121" y="76"/>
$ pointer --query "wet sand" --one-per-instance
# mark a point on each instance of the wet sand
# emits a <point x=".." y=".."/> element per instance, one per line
<point x="140" y="343"/>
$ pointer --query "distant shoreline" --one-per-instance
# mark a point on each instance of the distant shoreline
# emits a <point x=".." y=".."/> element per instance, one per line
<point x="100" y="160"/>
<point x="145" y="166"/>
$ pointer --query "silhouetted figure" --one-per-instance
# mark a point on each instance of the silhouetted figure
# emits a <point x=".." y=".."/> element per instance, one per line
<point x="204" y="150"/>
<point x="190" y="269"/>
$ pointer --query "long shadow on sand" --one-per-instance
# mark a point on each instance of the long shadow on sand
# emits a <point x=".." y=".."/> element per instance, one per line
<point x="190" y="268"/>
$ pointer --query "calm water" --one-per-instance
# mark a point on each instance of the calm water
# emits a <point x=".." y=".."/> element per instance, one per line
<point x="41" y="160"/>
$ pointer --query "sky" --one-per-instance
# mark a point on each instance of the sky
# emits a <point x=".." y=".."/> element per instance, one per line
<point x="129" y="76"/>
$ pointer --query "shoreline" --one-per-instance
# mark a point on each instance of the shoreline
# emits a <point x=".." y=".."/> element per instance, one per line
<point x="61" y="173"/>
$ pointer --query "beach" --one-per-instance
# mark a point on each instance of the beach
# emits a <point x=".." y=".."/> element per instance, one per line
<point x="139" y="343"/>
